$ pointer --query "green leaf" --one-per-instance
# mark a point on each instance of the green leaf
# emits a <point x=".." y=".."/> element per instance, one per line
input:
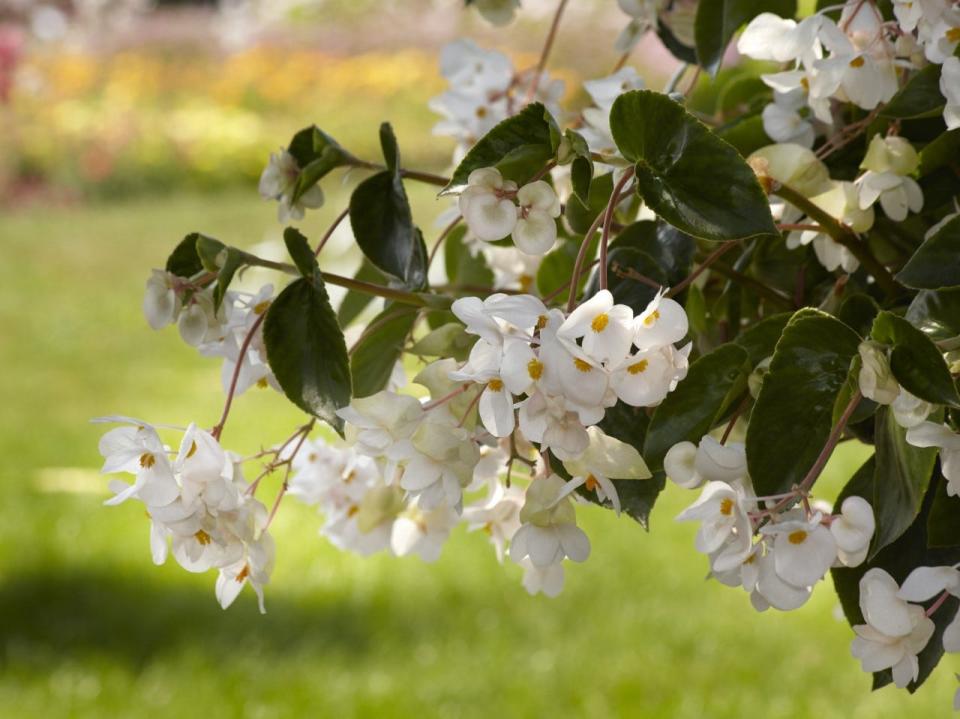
<point x="941" y="151"/>
<point x="449" y="340"/>
<point x="915" y="361"/>
<point x="391" y="151"/>
<point x="581" y="174"/>
<point x="943" y="529"/>
<point x="936" y="313"/>
<point x="760" y="339"/>
<point x="317" y="154"/>
<point x="306" y="350"/>
<point x="936" y="263"/>
<point x="792" y="418"/>
<point x="184" y="260"/>
<point x="354" y="302"/>
<point x="858" y="312"/>
<point x="299" y="249"/>
<point x="581" y="215"/>
<point x="671" y="249"/>
<point x="383" y="227"/>
<point x="717" y="21"/>
<point x="686" y="174"/>
<point x="628" y="291"/>
<point x="373" y="357"/>
<point x="920" y="97"/>
<point x="233" y="260"/>
<point x="556" y="270"/>
<point x="713" y="383"/>
<point x="461" y="267"/>
<point x="900" y="480"/>
<point x="745" y="133"/>
<point x="211" y="252"/>
<point x="899" y="559"/>
<point x="677" y="48"/>
<point x="519" y="147"/>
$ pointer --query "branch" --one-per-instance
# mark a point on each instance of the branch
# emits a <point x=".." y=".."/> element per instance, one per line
<point x="607" y="219"/>
<point x="547" y="47"/>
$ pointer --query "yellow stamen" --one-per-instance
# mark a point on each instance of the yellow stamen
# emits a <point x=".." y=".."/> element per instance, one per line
<point x="591" y="483"/>
<point x="525" y="282"/>
<point x="726" y="507"/>
<point x="262" y="383"/>
<point x="495" y="385"/>
<point x="857" y="61"/>
<point x="651" y="318"/>
<point x="805" y="84"/>
<point x="244" y="573"/>
<point x="953" y="34"/>
<point x="600" y="322"/>
<point x="797" y="537"/>
<point x="147" y="460"/>
<point x="535" y="369"/>
<point x="202" y="537"/>
<point x="192" y="451"/>
<point x="351" y="475"/>
<point x="353" y="510"/>
<point x="581" y="365"/>
<point x="541" y="322"/>
<point x="481" y="112"/>
<point x="638" y="367"/>
<point x="261" y="307"/>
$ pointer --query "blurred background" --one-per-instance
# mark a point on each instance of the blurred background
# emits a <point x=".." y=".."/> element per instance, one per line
<point x="126" y="125"/>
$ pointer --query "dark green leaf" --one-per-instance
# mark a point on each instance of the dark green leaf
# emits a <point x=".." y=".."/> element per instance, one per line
<point x="686" y="174"/>
<point x="858" y="312"/>
<point x="628" y="290"/>
<point x="449" y="340"/>
<point x="677" y="48"/>
<point x="760" y="339"/>
<point x="556" y="269"/>
<point x="671" y="249"/>
<point x="936" y="264"/>
<point x="936" y="313"/>
<point x="519" y="147"/>
<point x="717" y="21"/>
<point x="211" y="252"/>
<point x="373" y="357"/>
<point x="233" y="260"/>
<point x="391" y="151"/>
<point x="580" y="215"/>
<point x="299" y="249"/>
<point x="306" y="351"/>
<point x="792" y="418"/>
<point x="463" y="268"/>
<point x="317" y="154"/>
<point x="915" y="361"/>
<point x="383" y="227"/>
<point x="943" y="524"/>
<point x="899" y="559"/>
<point x="353" y="302"/>
<point x="942" y="151"/>
<point x="900" y="480"/>
<point x="712" y="385"/>
<point x="184" y="260"/>
<point x="581" y="174"/>
<point x="920" y="97"/>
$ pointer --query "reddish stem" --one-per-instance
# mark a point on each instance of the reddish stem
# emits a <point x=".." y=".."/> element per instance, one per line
<point x="218" y="429"/>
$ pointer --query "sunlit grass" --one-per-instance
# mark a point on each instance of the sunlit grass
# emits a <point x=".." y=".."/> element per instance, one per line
<point x="90" y="628"/>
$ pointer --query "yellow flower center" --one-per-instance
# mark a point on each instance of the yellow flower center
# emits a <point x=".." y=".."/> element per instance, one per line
<point x="353" y="510"/>
<point x="638" y="367"/>
<point x="581" y="365"/>
<point x="857" y="61"/>
<point x="591" y="484"/>
<point x="535" y="369"/>
<point x="262" y="383"/>
<point x="541" y="322"/>
<point x="805" y="84"/>
<point x="147" y="460"/>
<point x="202" y="537"/>
<point x="726" y="507"/>
<point x="651" y="318"/>
<point x="600" y="322"/>
<point x="192" y="451"/>
<point x="797" y="537"/>
<point x="953" y="34"/>
<point x="261" y="307"/>
<point x="244" y="573"/>
<point x="495" y="384"/>
<point x="481" y="111"/>
<point x="525" y="282"/>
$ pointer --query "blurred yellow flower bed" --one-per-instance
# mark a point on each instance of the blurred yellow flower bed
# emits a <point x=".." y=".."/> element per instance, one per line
<point x="142" y="121"/>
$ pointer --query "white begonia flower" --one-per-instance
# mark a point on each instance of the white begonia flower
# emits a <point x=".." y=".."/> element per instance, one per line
<point x="604" y="91"/>
<point x="895" y="631"/>
<point x="716" y="462"/>
<point x="890" y="154"/>
<point x="549" y="531"/>
<point x="950" y="89"/>
<point x="254" y="569"/>
<point x="898" y="195"/>
<point x="773" y="591"/>
<point x="496" y="409"/>
<point x="944" y="37"/>
<point x="803" y="550"/>
<point x="382" y="421"/>
<point x="783" y="122"/>
<point x="549" y="422"/>
<point x="931" y="434"/>
<point x="138" y="450"/>
<point x="909" y="13"/>
<point x="278" y="181"/>
<point x="720" y="509"/>
<point x="645" y="378"/>
<point x="497" y="12"/>
<point x="469" y="67"/>
<point x="161" y="304"/>
<point x="486" y="208"/>
<point x="842" y="202"/>
<point x="679" y="465"/>
<point x="794" y="165"/>
<point x="662" y="322"/>
<point x="421" y="531"/>
<point x="925" y="583"/>
<point x="771" y="37"/>
<point x="876" y="379"/>
<point x="908" y="410"/>
<point x="852" y="530"/>
<point x="512" y="269"/>
<point x="498" y="515"/>
<point x="536" y="228"/>
<point x="366" y="527"/>
<point x="606" y="328"/>
<point x="438" y="461"/>
<point x="604" y="459"/>
<point x="547" y="580"/>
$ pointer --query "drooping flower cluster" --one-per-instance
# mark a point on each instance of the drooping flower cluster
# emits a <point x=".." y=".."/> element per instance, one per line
<point x="775" y="552"/>
<point x="199" y="505"/>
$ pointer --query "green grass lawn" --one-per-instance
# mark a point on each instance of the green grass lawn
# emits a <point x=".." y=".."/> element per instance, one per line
<point x="90" y="628"/>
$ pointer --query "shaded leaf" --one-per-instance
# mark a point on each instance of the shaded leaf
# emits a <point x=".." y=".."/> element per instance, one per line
<point x="717" y="21"/>
<point x="936" y="263"/>
<point x="184" y="260"/>
<point x="354" y="302"/>
<point x="375" y="354"/>
<point x="920" y="97"/>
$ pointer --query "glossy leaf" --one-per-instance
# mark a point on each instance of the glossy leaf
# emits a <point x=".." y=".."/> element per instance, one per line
<point x="760" y="339"/>
<point x="915" y="361"/>
<point x="184" y="260"/>
<point x="671" y="249"/>
<point x="936" y="313"/>
<point x="920" y="97"/>
<point x="792" y="417"/>
<point x="306" y="350"/>
<point x="941" y="151"/>
<point x="375" y="354"/>
<point x="712" y="385"/>
<point x="943" y="529"/>
<point x="300" y="252"/>
<point x="628" y="290"/>
<point x="317" y="154"/>
<point x="717" y="21"/>
<point x="936" y="263"/>
<point x="519" y="147"/>
<point x="686" y="174"/>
